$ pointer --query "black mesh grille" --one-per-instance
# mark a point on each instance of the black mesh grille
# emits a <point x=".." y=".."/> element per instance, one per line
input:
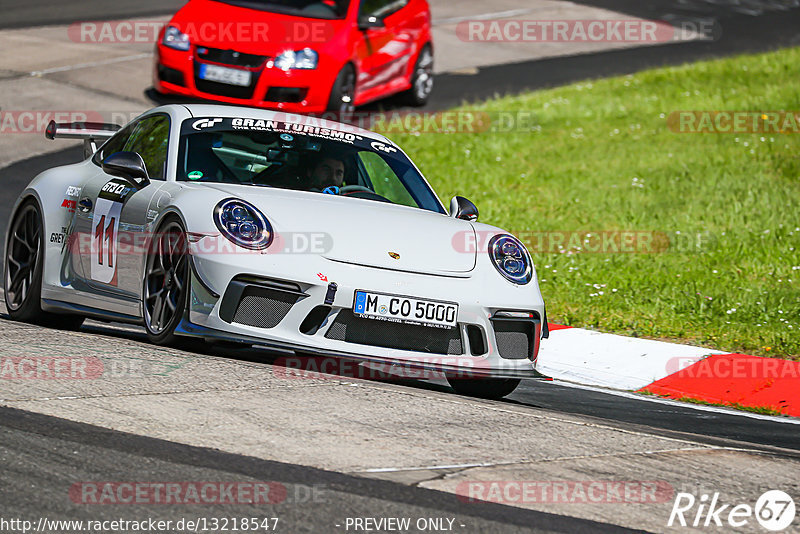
<point x="166" y="74"/>
<point x="352" y="329"/>
<point x="514" y="339"/>
<point x="263" y="308"/>
<point x="285" y="94"/>
<point x="230" y="57"/>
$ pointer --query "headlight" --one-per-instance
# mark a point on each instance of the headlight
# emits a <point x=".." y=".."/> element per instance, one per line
<point x="511" y="258"/>
<point x="298" y="59"/>
<point x="174" y="38"/>
<point x="242" y="223"/>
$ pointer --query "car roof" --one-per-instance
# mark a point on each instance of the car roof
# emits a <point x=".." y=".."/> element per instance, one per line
<point x="217" y="110"/>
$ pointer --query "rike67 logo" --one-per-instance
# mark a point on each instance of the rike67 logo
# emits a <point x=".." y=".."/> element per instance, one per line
<point x="774" y="511"/>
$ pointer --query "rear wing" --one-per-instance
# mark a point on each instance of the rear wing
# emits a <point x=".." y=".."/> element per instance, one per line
<point x="92" y="133"/>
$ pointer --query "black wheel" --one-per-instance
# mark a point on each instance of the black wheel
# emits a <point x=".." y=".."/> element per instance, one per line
<point x="24" y="262"/>
<point x="166" y="283"/>
<point x="485" y="388"/>
<point x="421" y="79"/>
<point x="343" y="94"/>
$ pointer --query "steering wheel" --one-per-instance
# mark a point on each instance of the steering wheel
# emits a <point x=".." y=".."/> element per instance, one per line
<point x="349" y="189"/>
<point x="359" y="191"/>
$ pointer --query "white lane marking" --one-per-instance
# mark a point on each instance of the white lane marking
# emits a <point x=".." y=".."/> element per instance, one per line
<point x="484" y="16"/>
<point x="423" y="468"/>
<point x="91" y="64"/>
<point x="651" y="398"/>
<point x="542" y="460"/>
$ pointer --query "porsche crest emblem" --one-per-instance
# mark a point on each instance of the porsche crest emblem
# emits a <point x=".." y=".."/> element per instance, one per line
<point x="394" y="255"/>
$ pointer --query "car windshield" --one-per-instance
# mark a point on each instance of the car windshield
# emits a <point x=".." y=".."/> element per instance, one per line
<point x="317" y="9"/>
<point x="312" y="158"/>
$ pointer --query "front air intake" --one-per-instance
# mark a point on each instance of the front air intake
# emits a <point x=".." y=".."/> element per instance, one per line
<point x="517" y="338"/>
<point x="258" y="302"/>
<point x="353" y="329"/>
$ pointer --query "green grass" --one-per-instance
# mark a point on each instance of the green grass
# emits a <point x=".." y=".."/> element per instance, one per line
<point x="602" y="158"/>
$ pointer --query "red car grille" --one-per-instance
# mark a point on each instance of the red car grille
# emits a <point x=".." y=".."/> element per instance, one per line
<point x="230" y="57"/>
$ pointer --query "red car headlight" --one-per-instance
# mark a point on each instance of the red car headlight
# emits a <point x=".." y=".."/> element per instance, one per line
<point x="174" y="38"/>
<point x="305" y="59"/>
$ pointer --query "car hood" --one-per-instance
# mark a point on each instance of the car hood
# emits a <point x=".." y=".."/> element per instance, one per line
<point x="239" y="28"/>
<point x="363" y="232"/>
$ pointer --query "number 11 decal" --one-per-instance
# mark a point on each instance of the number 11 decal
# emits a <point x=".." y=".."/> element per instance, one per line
<point x="101" y="236"/>
<point x="104" y="240"/>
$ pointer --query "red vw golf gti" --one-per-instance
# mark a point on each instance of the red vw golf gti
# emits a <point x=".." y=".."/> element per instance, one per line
<point x="298" y="56"/>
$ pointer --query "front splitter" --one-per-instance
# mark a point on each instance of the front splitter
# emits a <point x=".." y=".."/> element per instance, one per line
<point x="186" y="328"/>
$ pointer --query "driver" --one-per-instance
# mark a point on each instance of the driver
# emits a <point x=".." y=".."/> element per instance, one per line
<point x="326" y="173"/>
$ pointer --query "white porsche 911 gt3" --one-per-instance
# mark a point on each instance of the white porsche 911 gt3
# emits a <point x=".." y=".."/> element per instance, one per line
<point x="287" y="232"/>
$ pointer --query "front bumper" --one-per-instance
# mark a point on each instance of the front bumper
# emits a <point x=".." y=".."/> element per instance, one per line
<point x="294" y="91"/>
<point x="448" y="366"/>
<point x="481" y="295"/>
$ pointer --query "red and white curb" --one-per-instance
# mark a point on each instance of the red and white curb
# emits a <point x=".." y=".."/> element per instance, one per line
<point x="670" y="369"/>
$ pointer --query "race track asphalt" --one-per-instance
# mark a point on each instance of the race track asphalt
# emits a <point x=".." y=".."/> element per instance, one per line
<point x="741" y="32"/>
<point x="316" y="500"/>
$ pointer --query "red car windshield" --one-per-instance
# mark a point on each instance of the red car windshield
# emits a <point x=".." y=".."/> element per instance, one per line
<point x="315" y="9"/>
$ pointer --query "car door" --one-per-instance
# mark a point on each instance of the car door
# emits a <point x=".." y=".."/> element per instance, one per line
<point x="384" y="53"/>
<point x="113" y="213"/>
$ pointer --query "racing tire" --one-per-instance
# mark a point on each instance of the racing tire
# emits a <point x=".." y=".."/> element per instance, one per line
<point x="343" y="93"/>
<point x="22" y="272"/>
<point x="165" y="295"/>
<point x="421" y="79"/>
<point x="484" y="388"/>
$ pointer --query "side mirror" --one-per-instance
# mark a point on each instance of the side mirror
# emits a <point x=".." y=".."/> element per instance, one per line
<point x="127" y="165"/>
<point x="461" y="208"/>
<point x="370" y="23"/>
